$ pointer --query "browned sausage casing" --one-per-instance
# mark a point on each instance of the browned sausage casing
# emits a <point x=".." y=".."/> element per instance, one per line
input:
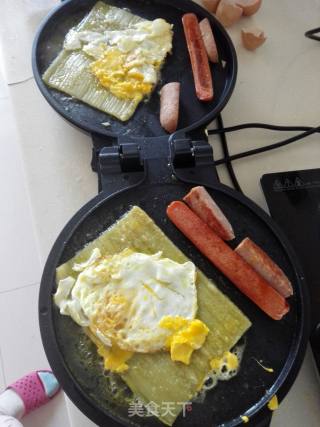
<point x="228" y="261"/>
<point x="198" y="57"/>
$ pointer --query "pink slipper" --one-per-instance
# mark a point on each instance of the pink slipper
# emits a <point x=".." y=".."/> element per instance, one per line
<point x="36" y="389"/>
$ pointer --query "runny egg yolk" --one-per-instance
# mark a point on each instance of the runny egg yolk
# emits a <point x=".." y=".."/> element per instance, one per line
<point x="187" y="336"/>
<point x="123" y="80"/>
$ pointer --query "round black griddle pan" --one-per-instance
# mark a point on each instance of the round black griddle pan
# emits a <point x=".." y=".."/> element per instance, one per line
<point x="278" y="344"/>
<point x="145" y="122"/>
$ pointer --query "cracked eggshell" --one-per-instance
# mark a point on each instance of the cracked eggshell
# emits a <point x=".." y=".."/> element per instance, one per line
<point x="249" y="7"/>
<point x="252" y="38"/>
<point x="228" y="13"/>
<point x="211" y="5"/>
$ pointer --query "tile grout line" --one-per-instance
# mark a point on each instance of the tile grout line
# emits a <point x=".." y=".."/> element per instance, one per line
<point x="19" y="82"/>
<point x="18" y="288"/>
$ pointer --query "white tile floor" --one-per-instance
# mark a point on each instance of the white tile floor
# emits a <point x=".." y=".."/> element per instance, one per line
<point x="55" y="167"/>
<point x="21" y="350"/>
<point x="77" y="419"/>
<point x="16" y="226"/>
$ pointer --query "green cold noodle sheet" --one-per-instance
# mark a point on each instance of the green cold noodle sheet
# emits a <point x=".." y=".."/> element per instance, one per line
<point x="155" y="377"/>
<point x="69" y="72"/>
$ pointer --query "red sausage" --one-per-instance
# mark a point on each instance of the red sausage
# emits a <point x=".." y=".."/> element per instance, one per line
<point x="227" y="261"/>
<point x="264" y="265"/>
<point x="198" y="57"/>
<point x="200" y="201"/>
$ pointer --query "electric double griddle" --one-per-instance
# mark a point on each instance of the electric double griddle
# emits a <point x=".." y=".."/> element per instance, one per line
<point x="139" y="164"/>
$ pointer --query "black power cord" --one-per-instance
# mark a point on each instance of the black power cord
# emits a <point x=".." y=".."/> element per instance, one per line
<point x="311" y="34"/>
<point x="225" y="149"/>
<point x="227" y="158"/>
<point x="221" y="131"/>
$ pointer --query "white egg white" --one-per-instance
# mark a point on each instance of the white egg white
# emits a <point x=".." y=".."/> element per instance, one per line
<point x="123" y="297"/>
<point x="147" y="42"/>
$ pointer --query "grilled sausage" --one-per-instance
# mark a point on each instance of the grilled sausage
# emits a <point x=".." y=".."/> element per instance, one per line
<point x="263" y="264"/>
<point x="227" y="261"/>
<point x="200" y="201"/>
<point x="198" y="57"/>
<point x="209" y="41"/>
<point x="169" y="106"/>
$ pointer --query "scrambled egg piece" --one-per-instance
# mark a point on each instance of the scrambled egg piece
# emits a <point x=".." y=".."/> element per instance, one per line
<point x="273" y="403"/>
<point x="187" y="336"/>
<point x="245" y="419"/>
<point x="127" y="62"/>
<point x="123" y="79"/>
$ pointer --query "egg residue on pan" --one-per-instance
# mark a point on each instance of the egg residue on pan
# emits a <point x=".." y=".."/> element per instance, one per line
<point x="133" y="302"/>
<point x="126" y="62"/>
<point x="222" y="369"/>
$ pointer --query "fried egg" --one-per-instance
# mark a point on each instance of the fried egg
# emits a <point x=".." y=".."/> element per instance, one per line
<point x="122" y="299"/>
<point x="126" y="62"/>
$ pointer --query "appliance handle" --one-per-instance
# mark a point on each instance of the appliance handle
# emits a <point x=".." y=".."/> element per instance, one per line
<point x="192" y="160"/>
<point x="132" y="161"/>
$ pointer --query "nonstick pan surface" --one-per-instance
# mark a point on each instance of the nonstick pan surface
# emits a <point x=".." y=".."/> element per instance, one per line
<point x="277" y="344"/>
<point x="145" y="122"/>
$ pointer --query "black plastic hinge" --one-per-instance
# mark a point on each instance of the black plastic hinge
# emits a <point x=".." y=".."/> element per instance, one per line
<point x="119" y="166"/>
<point x="182" y="153"/>
<point x="121" y="158"/>
<point x="130" y="157"/>
<point x="192" y="160"/>
<point x="202" y="152"/>
<point x="100" y="142"/>
<point x="187" y="153"/>
<point x="109" y="160"/>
